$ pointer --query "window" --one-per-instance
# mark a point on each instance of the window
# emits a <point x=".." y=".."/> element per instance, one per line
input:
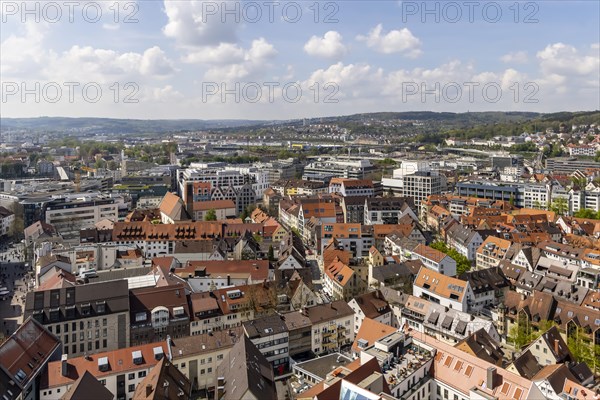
<point x="182" y="365"/>
<point x="201" y="372"/>
<point x="209" y="370"/>
<point x="131" y="388"/>
<point x="141" y="374"/>
<point x="131" y="376"/>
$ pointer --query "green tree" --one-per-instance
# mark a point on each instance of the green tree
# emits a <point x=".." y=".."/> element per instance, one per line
<point x="587" y="213"/>
<point x="271" y="253"/>
<point x="559" y="206"/>
<point x="211" y="215"/>
<point x="462" y="263"/>
<point x="582" y="348"/>
<point x="519" y="333"/>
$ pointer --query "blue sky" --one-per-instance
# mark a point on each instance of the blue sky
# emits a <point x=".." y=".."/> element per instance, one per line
<point x="378" y="56"/>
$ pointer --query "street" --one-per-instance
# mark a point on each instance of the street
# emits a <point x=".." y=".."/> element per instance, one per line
<point x="15" y="277"/>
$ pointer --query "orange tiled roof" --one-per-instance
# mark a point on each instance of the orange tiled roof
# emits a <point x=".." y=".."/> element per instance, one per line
<point x="440" y="284"/>
<point x="371" y="331"/>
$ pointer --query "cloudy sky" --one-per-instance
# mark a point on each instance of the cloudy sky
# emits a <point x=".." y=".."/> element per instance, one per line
<point x="280" y="60"/>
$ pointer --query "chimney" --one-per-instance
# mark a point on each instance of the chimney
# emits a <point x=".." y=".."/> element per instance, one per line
<point x="556" y="347"/>
<point x="148" y="390"/>
<point x="64" y="365"/>
<point x="491" y="376"/>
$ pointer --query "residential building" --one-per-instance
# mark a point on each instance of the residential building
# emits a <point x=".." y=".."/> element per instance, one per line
<point x="223" y="209"/>
<point x="353" y="209"/>
<point x="69" y="216"/>
<point x="352" y="187"/>
<point x="332" y="326"/>
<point x="172" y="209"/>
<point x="244" y="374"/>
<point x="369" y="332"/>
<point x="491" y="252"/>
<point x="24" y="355"/>
<point x="388" y="210"/>
<point x="87" y="318"/>
<point x="158" y="312"/>
<point x="121" y="371"/>
<point x="356" y="238"/>
<point x="7" y="219"/>
<point x="299" y="328"/>
<point x="164" y="381"/>
<point x="550" y="348"/>
<point x="434" y="260"/>
<point x="441" y="289"/>
<point x="270" y="335"/>
<point x="87" y="387"/>
<point x="488" y="285"/>
<point x="464" y="240"/>
<point x="443" y="323"/>
<point x="481" y="345"/>
<point x="341" y="282"/>
<point x="371" y="305"/>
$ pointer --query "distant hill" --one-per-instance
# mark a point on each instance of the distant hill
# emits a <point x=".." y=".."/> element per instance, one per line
<point x="469" y="124"/>
<point x="113" y="125"/>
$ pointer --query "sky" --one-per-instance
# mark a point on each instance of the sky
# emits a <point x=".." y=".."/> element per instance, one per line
<point x="167" y="59"/>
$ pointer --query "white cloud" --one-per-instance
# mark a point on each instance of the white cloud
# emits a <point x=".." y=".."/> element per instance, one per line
<point x="395" y="41"/>
<point x="563" y="59"/>
<point x="224" y="53"/>
<point x="328" y="46"/>
<point x="191" y="23"/>
<point x="154" y="62"/>
<point x="22" y="54"/>
<point x="517" y="57"/>
<point x="89" y="64"/>
<point x="246" y="65"/>
<point x="164" y="94"/>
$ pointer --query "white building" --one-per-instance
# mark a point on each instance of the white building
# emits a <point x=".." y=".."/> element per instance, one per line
<point x="72" y="215"/>
<point x="434" y="260"/>
<point x="441" y="289"/>
<point x="7" y="219"/>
